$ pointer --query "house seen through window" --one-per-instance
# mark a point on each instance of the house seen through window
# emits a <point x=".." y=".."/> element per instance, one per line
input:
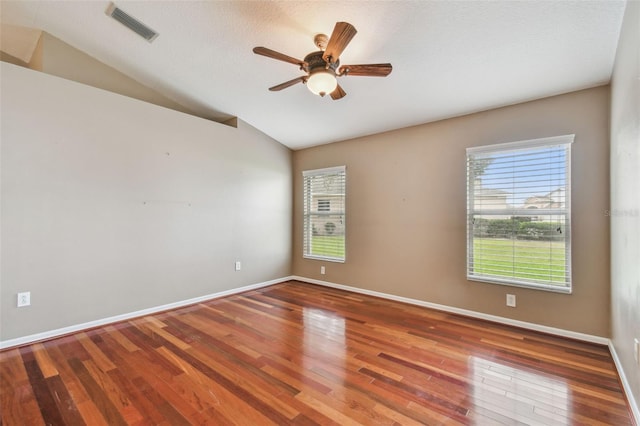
<point x="324" y="205"/>
<point x="519" y="215"/>
<point x="324" y="214"/>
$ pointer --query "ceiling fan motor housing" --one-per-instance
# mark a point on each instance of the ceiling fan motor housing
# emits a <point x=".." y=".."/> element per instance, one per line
<point x="315" y="63"/>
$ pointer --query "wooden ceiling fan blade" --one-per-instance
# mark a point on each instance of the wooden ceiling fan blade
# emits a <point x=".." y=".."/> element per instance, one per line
<point x="288" y="83"/>
<point x="367" y="70"/>
<point x="342" y="34"/>
<point x="338" y="93"/>
<point x="264" y="51"/>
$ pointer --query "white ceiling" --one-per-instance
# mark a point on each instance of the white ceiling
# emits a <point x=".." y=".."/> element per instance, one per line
<point x="449" y="57"/>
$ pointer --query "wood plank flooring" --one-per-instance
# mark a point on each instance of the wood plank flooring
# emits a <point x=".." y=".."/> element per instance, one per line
<point x="296" y="353"/>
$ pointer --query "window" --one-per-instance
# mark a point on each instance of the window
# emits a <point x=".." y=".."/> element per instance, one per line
<point x="519" y="213"/>
<point x="324" y="214"/>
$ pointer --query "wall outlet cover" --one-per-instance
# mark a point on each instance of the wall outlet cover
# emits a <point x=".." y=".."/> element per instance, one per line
<point x="24" y="299"/>
<point x="511" y="300"/>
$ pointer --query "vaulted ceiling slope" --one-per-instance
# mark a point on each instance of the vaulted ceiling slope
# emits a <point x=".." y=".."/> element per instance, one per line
<point x="449" y="57"/>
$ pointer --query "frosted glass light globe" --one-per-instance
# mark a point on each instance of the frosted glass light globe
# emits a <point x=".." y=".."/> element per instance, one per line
<point x="322" y="82"/>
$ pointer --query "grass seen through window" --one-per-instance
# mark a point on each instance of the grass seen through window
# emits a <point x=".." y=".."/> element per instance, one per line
<point x="522" y="259"/>
<point x="328" y="245"/>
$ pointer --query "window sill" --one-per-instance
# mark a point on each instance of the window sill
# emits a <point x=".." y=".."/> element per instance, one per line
<point x="323" y="258"/>
<point x="543" y="287"/>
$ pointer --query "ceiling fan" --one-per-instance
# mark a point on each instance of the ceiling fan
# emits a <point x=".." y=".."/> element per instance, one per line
<point x="323" y="67"/>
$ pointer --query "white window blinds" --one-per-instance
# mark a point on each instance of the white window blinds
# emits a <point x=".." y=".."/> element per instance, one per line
<point x="324" y="213"/>
<point x="519" y="213"/>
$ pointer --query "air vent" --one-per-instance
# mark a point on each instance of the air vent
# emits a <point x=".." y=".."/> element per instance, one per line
<point x="132" y="23"/>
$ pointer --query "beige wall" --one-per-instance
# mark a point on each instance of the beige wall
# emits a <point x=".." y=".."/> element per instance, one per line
<point x="625" y="197"/>
<point x="111" y="205"/>
<point x="406" y="200"/>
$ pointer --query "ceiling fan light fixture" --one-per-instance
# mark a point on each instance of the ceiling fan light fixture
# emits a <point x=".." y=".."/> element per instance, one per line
<point x="322" y="67"/>
<point x="322" y="82"/>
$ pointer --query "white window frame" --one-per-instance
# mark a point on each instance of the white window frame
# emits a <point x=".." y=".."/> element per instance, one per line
<point x="514" y="147"/>
<point x="308" y="212"/>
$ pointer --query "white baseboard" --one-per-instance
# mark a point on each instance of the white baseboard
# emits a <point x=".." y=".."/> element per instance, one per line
<point x="5" y="344"/>
<point x="494" y="318"/>
<point x="635" y="410"/>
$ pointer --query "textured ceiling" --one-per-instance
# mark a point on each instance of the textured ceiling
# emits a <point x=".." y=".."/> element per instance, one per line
<point x="449" y="57"/>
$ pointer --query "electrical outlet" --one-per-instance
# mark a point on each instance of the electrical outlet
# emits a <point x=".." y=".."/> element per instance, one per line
<point x="322" y="270"/>
<point x="511" y="300"/>
<point x="636" y="350"/>
<point x="24" y="299"/>
<point x="238" y="265"/>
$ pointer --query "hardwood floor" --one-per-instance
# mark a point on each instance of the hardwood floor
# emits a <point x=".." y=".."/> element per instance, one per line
<point x="296" y="353"/>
